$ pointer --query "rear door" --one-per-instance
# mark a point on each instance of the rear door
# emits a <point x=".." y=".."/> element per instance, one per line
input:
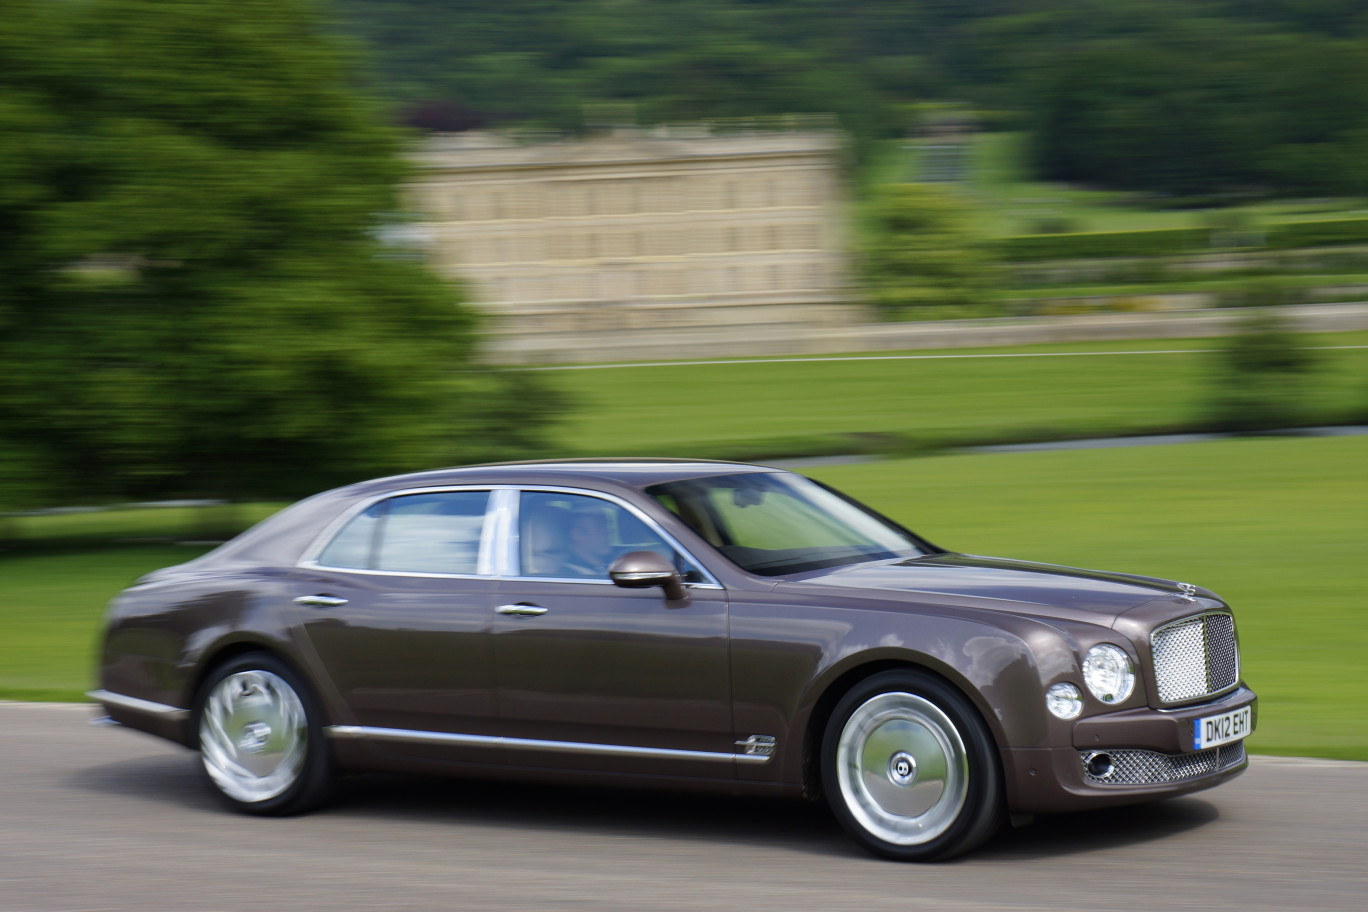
<point x="397" y="607"/>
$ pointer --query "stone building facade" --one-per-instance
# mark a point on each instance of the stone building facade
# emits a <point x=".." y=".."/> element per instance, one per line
<point x="636" y="243"/>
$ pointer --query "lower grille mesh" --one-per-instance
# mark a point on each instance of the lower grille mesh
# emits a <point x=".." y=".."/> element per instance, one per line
<point x="1142" y="767"/>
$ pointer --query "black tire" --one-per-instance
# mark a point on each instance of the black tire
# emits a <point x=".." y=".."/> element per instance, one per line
<point x="910" y="768"/>
<point x="261" y="741"/>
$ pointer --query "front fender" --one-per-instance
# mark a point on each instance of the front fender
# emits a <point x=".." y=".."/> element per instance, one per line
<point x="792" y="662"/>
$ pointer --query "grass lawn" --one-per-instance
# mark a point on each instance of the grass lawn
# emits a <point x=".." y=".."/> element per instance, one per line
<point x="775" y="407"/>
<point x="1278" y="527"/>
<point x="51" y="609"/>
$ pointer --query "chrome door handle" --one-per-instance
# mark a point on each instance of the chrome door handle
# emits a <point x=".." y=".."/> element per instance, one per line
<point x="521" y="610"/>
<point x="321" y="601"/>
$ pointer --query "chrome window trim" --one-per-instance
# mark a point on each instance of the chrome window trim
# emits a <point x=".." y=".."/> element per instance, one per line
<point x="576" y="747"/>
<point x="137" y="704"/>
<point x="408" y="574"/>
<point x="710" y="581"/>
<point x="1211" y="695"/>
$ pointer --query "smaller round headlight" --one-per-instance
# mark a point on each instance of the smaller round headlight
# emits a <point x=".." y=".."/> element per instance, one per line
<point x="1064" y="700"/>
<point x="1108" y="674"/>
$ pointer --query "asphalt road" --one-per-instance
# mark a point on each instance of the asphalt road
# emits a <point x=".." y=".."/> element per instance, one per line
<point x="106" y="818"/>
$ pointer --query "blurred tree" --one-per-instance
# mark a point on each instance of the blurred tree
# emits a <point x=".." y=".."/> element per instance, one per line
<point x="1171" y="96"/>
<point x="541" y="62"/>
<point x="923" y="252"/>
<point x="1195" y="98"/>
<point x="195" y="293"/>
<point x="1260" y="378"/>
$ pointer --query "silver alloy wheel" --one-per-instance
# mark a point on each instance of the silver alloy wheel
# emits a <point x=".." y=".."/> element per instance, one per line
<point x="253" y="735"/>
<point x="902" y="768"/>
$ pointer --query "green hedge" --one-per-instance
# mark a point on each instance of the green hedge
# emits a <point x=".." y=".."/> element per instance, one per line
<point x="1318" y="234"/>
<point x="1169" y="241"/>
<point x="1089" y="245"/>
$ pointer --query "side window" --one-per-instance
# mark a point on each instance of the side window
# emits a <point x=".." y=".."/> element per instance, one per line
<point x="354" y="547"/>
<point x="414" y="533"/>
<point x="574" y="536"/>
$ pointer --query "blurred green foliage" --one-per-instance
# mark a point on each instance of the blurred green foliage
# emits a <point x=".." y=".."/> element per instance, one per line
<point x="552" y="64"/>
<point x="1159" y="96"/>
<point x="1093" y="244"/>
<point x="923" y="252"/>
<point x="1183" y="105"/>
<point x="1326" y="233"/>
<point x="196" y="293"/>
<point x="1158" y="242"/>
<point x="1262" y="377"/>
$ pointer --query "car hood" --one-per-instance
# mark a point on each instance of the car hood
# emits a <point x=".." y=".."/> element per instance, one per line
<point x="1022" y="587"/>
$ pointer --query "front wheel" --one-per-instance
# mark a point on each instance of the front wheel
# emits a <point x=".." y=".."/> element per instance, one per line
<point x="260" y="738"/>
<point x="910" y="768"/>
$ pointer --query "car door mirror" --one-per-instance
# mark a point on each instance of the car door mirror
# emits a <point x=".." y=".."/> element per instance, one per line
<point x="644" y="569"/>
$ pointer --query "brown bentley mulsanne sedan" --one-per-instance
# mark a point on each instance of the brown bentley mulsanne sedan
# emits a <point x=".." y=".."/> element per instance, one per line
<point x="666" y="622"/>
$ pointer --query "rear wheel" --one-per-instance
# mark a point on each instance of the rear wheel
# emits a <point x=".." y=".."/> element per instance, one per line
<point x="260" y="737"/>
<point x="910" y="768"/>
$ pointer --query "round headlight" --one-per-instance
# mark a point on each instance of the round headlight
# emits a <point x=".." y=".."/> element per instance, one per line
<point x="1107" y="672"/>
<point x="1064" y="701"/>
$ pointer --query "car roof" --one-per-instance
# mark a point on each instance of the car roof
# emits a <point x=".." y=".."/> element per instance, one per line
<point x="637" y="472"/>
<point x="282" y="537"/>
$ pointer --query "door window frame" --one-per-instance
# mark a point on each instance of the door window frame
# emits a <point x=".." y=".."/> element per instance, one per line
<point x="512" y="556"/>
<point x="309" y="560"/>
<point x="500" y="553"/>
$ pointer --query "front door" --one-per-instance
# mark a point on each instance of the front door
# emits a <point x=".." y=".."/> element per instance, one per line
<point x="597" y="677"/>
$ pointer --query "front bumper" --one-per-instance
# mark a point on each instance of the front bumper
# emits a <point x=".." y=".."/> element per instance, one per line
<point x="1153" y="752"/>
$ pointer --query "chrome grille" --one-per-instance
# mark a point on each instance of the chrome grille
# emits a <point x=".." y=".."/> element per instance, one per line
<point x="1142" y="767"/>
<point x="1195" y="657"/>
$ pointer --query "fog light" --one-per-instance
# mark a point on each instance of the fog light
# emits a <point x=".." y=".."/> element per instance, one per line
<point x="1098" y="764"/>
<point x="1064" y="701"/>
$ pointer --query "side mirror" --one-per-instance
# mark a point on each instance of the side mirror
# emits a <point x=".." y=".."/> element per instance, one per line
<point x="644" y="569"/>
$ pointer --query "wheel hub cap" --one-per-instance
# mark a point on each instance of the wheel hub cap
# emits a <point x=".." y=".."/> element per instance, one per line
<point x="902" y="768"/>
<point x="253" y="735"/>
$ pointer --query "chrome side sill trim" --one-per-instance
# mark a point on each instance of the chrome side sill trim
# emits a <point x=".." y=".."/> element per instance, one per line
<point x="139" y="705"/>
<point x="577" y="747"/>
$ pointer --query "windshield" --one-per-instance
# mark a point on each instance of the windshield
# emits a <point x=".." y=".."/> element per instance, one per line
<point x="771" y="524"/>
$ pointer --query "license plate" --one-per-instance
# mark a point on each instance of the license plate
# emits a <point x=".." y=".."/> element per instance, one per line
<point x="1212" y="731"/>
